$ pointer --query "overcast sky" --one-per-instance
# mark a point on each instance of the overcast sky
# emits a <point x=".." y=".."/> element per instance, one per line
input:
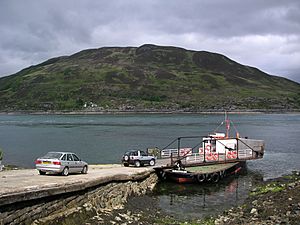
<point x="259" y="33"/>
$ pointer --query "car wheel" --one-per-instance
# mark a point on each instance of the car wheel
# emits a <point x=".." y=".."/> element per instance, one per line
<point x="84" y="170"/>
<point x="152" y="162"/>
<point x="126" y="157"/>
<point x="126" y="164"/>
<point x="65" y="172"/>
<point x="137" y="163"/>
<point x="42" y="172"/>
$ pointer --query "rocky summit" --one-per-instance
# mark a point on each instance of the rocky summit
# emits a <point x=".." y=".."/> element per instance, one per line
<point x="146" y="78"/>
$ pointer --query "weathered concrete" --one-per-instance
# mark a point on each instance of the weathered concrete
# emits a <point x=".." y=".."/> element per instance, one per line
<point x="26" y="196"/>
<point x="21" y="185"/>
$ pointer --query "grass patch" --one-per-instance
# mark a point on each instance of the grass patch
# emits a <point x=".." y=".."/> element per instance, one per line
<point x="269" y="188"/>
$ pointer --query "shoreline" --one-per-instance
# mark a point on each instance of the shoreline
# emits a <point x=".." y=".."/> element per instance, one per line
<point x="121" y="112"/>
<point x="275" y="201"/>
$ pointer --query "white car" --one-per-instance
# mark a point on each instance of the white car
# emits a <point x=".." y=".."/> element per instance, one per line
<point x="61" y="162"/>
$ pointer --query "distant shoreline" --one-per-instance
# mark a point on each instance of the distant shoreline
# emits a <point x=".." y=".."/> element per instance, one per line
<point x="111" y="112"/>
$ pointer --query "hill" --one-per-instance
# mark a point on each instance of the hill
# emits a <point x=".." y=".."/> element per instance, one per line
<point x="145" y="78"/>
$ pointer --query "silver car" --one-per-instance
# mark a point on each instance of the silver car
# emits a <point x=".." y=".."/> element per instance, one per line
<point x="61" y="162"/>
<point x="137" y="158"/>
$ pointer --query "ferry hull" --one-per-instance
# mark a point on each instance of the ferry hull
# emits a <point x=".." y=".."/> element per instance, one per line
<point x="180" y="177"/>
<point x="212" y="173"/>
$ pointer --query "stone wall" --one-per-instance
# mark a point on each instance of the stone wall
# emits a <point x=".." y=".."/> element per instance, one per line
<point x="76" y="207"/>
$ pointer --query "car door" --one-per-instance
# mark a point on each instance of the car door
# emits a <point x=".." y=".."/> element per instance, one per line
<point x="143" y="157"/>
<point x="70" y="162"/>
<point x="77" y="163"/>
<point x="64" y="161"/>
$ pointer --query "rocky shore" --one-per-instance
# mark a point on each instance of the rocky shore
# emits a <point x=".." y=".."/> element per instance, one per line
<point x="274" y="201"/>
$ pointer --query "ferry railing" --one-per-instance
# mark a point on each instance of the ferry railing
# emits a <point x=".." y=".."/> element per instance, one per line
<point x="166" y="153"/>
<point x="216" y="157"/>
<point x="177" y="154"/>
<point x="195" y="158"/>
<point x="242" y="152"/>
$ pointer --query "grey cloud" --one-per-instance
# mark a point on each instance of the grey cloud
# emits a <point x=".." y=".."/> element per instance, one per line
<point x="32" y="31"/>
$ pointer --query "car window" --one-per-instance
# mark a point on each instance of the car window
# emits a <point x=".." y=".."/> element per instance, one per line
<point x="64" y="158"/>
<point x="69" y="157"/>
<point x="75" y="157"/>
<point x="134" y="153"/>
<point x="143" y="153"/>
<point x="52" y="155"/>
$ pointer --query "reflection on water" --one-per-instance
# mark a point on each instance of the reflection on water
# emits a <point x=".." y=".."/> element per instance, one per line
<point x="195" y="201"/>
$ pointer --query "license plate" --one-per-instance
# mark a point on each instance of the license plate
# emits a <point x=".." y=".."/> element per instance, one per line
<point x="46" y="162"/>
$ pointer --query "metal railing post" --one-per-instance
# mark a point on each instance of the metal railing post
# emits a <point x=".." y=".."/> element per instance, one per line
<point x="178" y="143"/>
<point x="237" y="148"/>
<point x="204" y="151"/>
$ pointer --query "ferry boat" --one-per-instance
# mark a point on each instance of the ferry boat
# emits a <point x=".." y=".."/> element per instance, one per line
<point x="219" y="155"/>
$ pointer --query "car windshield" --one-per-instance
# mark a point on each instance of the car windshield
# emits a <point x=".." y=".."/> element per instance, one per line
<point x="143" y="153"/>
<point x="52" y="155"/>
<point x="130" y="153"/>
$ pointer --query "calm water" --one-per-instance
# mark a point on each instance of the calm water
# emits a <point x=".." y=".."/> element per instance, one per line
<point x="103" y="139"/>
<point x="194" y="201"/>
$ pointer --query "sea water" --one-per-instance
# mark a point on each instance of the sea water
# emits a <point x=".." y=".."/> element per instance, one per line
<point x="104" y="138"/>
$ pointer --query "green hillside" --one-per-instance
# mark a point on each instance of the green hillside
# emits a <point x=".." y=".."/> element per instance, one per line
<point x="145" y="78"/>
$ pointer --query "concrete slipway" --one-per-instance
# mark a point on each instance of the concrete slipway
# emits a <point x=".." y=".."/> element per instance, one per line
<point x="27" y="184"/>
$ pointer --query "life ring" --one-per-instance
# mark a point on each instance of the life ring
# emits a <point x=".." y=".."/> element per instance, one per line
<point x="200" y="150"/>
<point x="208" y="176"/>
<point x="234" y="154"/>
<point x="209" y="157"/>
<point x="229" y="155"/>
<point x="201" y="177"/>
<point x="208" y="147"/>
<point x="215" y="177"/>
<point x="215" y="156"/>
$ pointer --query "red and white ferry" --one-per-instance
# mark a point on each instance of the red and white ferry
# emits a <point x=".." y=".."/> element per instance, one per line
<point x="218" y="150"/>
